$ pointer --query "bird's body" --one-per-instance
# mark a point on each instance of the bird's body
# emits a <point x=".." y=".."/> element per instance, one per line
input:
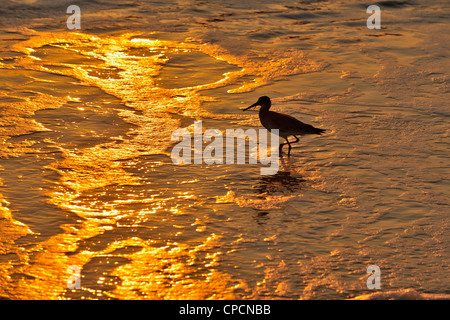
<point x="286" y="124"/>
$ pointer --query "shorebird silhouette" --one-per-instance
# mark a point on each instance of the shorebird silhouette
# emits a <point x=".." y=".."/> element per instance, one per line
<point x="286" y="124"/>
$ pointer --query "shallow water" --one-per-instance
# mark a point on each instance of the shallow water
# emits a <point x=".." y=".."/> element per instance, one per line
<point x="87" y="179"/>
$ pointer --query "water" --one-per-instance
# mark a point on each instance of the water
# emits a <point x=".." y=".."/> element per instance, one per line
<point x="87" y="180"/>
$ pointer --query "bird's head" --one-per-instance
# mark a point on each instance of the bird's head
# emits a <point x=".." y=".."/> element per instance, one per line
<point x="263" y="101"/>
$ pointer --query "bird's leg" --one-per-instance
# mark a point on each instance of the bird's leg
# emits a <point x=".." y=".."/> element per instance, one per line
<point x="289" y="151"/>
<point x="281" y="148"/>
<point x="282" y="145"/>
<point x="289" y="144"/>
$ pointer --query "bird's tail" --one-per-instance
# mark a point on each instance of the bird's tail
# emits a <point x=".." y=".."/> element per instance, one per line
<point x="319" y="131"/>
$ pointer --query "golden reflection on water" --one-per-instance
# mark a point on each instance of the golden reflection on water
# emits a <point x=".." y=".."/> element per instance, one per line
<point x="176" y="271"/>
<point x="170" y="271"/>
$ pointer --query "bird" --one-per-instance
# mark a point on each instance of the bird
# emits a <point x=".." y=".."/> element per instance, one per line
<point x="286" y="124"/>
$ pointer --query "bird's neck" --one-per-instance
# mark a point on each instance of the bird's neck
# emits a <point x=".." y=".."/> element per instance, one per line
<point x="264" y="109"/>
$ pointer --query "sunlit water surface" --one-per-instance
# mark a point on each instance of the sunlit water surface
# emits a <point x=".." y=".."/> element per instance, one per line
<point x="87" y="180"/>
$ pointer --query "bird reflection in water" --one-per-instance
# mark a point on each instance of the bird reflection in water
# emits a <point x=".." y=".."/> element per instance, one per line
<point x="281" y="182"/>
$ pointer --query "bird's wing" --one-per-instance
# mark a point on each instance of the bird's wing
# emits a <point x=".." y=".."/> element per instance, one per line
<point x="287" y="123"/>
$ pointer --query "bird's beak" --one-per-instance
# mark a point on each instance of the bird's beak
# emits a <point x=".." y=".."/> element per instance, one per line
<point x="253" y="105"/>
